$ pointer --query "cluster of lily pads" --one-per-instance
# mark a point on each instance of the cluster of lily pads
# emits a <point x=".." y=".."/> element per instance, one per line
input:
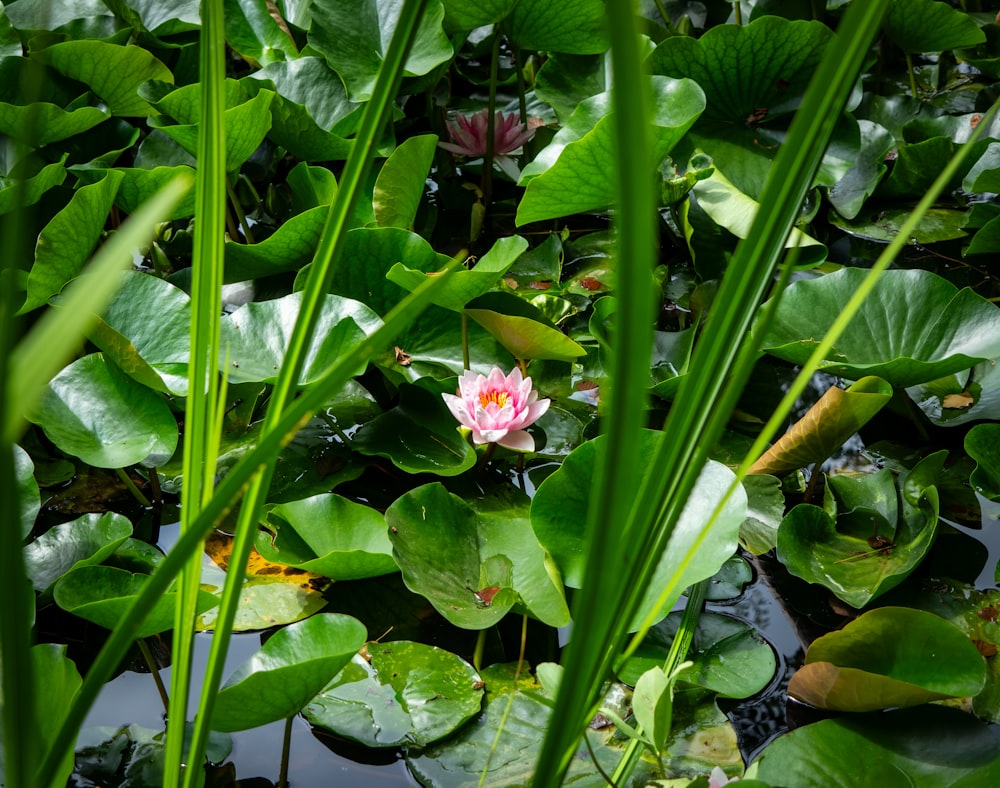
<point x="461" y="459"/>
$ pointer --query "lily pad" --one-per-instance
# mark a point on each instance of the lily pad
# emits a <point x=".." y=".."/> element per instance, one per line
<point x="294" y="664"/>
<point x="559" y="514"/>
<point x="889" y="657"/>
<point x="85" y="541"/>
<point x="398" y="693"/>
<point x="569" y="175"/>
<point x="765" y="510"/>
<point x="914" y="327"/>
<point x="982" y="443"/>
<point x="465" y="285"/>
<point x="102" y="595"/>
<point x="930" y="26"/>
<point x="27" y="490"/>
<point x="868" y="549"/>
<point x="354" y="35"/>
<point x="729" y="657"/>
<point x="145" y="330"/>
<point x="930" y="746"/>
<point x="258" y="333"/>
<point x="328" y="535"/>
<point x="837" y="415"/>
<point x="94" y="411"/>
<point x="401" y="181"/>
<point x="68" y="240"/>
<point x="473" y="564"/>
<point x="272" y="594"/>
<point x="289" y="248"/>
<point x="419" y="435"/>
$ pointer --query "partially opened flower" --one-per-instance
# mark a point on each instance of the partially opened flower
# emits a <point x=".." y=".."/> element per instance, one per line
<point x="469" y="134"/>
<point x="497" y="408"/>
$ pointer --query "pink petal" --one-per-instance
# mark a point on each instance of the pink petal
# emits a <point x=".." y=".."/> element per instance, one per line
<point x="518" y="440"/>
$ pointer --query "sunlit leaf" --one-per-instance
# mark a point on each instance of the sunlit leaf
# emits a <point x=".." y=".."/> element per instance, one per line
<point x="86" y="541"/>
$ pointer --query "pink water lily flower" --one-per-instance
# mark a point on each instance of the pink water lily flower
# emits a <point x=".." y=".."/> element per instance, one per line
<point x="497" y="408"/>
<point x="468" y="134"/>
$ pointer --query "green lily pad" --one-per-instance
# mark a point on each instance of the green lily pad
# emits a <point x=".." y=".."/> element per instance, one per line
<point x="27" y="490"/>
<point x="889" y="657"/>
<point x="883" y="225"/>
<point x="102" y="595"/>
<point x="754" y="77"/>
<point x="255" y="34"/>
<point x="914" y="327"/>
<point x="526" y="338"/>
<point x="569" y="175"/>
<point x="401" y="182"/>
<point x="729" y="657"/>
<point x="837" y="415"/>
<point x="328" y="535"/>
<point x="85" y="541"/>
<point x="765" y="510"/>
<point x="848" y="195"/>
<point x="140" y="184"/>
<point x="929" y="746"/>
<point x="982" y="443"/>
<point x="68" y="240"/>
<point x="519" y="709"/>
<point x="473" y="564"/>
<point x="399" y="693"/>
<point x="869" y="549"/>
<point x="419" y="435"/>
<point x="963" y="397"/>
<point x="354" y="37"/>
<point x="41" y="123"/>
<point x="257" y="334"/>
<point x="145" y="331"/>
<point x="94" y="411"/>
<point x="577" y="27"/>
<point x="930" y="26"/>
<point x="470" y="14"/>
<point x="291" y="667"/>
<point x="559" y="514"/>
<point x="732" y="209"/>
<point x="465" y="285"/>
<point x="289" y="248"/>
<point x="24" y="191"/>
<point x="113" y="72"/>
<point x="247" y="119"/>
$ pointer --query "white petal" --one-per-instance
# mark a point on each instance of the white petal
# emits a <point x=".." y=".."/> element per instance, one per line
<point x="518" y="440"/>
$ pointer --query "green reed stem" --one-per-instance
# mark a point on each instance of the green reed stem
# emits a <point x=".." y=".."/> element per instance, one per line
<point x="201" y="420"/>
<point x="376" y="114"/>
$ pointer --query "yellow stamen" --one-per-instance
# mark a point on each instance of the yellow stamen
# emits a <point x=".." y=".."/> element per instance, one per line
<point x="499" y="398"/>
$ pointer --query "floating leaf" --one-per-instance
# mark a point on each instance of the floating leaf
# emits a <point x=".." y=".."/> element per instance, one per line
<point x="103" y="594"/>
<point x="113" y="72"/>
<point x="25" y="191"/>
<point x="272" y="594"/>
<point x="465" y="285"/>
<point x="27" y="490"/>
<point x="837" y="415"/>
<point x="889" y="657"/>
<point x="294" y="664"/>
<point x="869" y="549"/>
<point x="729" y="657"/>
<point x="328" y="535"/>
<point x="419" y="435"/>
<point x="145" y="331"/>
<point x="68" y="240"/>
<point x="570" y="175"/>
<point x="765" y="510"/>
<point x="527" y="338"/>
<point x="473" y="564"/>
<point x="928" y="746"/>
<point x="930" y="26"/>
<point x="559" y="512"/>
<point x="85" y="541"/>
<point x="914" y="327"/>
<point x="399" y="693"/>
<point x="982" y="443"/>
<point x="94" y="411"/>
<point x="353" y="36"/>
<point x="258" y="333"/>
<point x="289" y="248"/>
<point x="401" y="181"/>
